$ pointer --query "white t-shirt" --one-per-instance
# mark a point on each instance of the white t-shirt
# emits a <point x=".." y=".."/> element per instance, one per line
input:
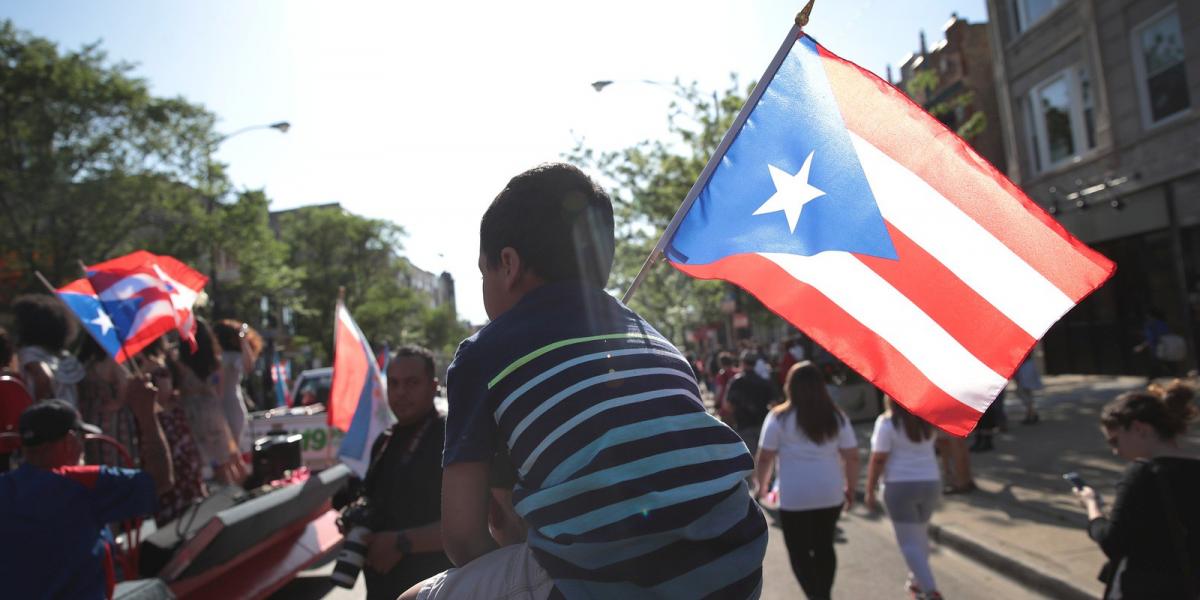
<point x="810" y="475"/>
<point x="907" y="460"/>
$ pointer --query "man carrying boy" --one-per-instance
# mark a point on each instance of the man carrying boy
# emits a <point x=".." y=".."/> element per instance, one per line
<point x="627" y="486"/>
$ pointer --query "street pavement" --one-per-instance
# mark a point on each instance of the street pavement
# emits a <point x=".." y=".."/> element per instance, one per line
<point x="870" y="566"/>
<point x="1023" y="526"/>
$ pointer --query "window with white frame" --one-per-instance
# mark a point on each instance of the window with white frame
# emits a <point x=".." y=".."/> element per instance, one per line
<point x="1158" y="57"/>
<point x="1029" y="12"/>
<point x="1061" y="118"/>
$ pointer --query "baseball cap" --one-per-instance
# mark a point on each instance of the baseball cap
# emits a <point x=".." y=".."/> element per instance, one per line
<point x="49" y="421"/>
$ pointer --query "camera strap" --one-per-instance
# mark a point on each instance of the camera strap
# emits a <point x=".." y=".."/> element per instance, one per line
<point x="414" y="442"/>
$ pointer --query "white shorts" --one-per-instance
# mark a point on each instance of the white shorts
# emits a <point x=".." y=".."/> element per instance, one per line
<point x="509" y="573"/>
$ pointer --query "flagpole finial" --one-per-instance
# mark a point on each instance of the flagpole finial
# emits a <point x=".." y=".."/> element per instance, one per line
<point x="802" y="16"/>
<point x="342" y="294"/>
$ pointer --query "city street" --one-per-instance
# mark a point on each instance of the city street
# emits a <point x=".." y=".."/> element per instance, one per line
<point x="1023" y="516"/>
<point x="869" y="566"/>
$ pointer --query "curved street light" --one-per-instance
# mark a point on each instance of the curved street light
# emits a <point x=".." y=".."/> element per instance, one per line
<point x="281" y="127"/>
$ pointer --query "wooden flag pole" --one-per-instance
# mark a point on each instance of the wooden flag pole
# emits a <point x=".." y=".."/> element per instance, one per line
<point x="743" y="115"/>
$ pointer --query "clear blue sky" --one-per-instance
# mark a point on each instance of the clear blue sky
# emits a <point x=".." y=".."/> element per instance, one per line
<point x="420" y="112"/>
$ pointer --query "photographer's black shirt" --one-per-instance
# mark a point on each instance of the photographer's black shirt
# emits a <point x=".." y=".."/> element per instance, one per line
<point x="405" y="490"/>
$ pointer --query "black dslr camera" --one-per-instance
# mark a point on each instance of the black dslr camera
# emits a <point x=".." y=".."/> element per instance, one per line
<point x="354" y="523"/>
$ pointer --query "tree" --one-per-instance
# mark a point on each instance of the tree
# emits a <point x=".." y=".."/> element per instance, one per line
<point x="334" y="249"/>
<point x="952" y="112"/>
<point x="89" y="157"/>
<point x="649" y="181"/>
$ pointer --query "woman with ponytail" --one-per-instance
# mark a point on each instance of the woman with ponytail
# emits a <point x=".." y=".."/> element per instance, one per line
<point x="1151" y="535"/>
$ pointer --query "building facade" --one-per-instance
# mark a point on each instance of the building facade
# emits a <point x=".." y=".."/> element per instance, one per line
<point x="1100" y="105"/>
<point x="954" y="81"/>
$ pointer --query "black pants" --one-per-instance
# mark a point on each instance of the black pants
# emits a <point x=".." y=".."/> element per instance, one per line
<point x="809" y="538"/>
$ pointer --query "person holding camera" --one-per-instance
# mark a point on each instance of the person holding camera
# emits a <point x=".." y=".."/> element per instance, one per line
<point x="403" y="485"/>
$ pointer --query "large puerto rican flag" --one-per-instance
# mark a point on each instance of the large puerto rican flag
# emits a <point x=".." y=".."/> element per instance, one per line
<point x="358" y="396"/>
<point x="856" y="216"/>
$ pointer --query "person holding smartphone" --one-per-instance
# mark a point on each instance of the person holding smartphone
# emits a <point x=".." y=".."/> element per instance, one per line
<point x="1151" y="535"/>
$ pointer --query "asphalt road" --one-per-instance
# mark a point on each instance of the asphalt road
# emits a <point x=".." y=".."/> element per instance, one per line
<point x="869" y="566"/>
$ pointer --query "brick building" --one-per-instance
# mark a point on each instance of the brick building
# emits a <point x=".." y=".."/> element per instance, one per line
<point x="961" y="65"/>
<point x="1100" y="110"/>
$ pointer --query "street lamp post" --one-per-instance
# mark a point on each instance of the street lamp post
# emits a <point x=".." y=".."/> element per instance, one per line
<point x="281" y="127"/>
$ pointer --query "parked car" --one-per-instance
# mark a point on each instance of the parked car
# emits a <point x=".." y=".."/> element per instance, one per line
<point x="312" y="387"/>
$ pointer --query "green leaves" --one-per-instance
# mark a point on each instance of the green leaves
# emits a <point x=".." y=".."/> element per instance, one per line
<point x="648" y="182"/>
<point x="93" y="166"/>
<point x="86" y="153"/>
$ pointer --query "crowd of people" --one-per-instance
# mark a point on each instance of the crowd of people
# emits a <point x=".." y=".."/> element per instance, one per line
<point x="175" y="414"/>
<point x="578" y="457"/>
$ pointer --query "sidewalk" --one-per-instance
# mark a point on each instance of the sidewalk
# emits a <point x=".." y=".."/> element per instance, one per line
<point x="1024" y="521"/>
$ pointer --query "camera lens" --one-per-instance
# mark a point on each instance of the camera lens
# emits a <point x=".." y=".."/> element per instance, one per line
<point x="350" y="558"/>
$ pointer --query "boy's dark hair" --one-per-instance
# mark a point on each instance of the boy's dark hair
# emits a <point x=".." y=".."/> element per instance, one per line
<point x="43" y="320"/>
<point x="415" y="351"/>
<point x="559" y="222"/>
<point x="6" y="348"/>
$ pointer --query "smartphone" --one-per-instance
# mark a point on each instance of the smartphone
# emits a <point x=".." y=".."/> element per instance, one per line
<point x="1075" y="480"/>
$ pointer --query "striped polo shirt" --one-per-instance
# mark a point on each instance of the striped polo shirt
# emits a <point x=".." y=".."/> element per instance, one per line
<point x="630" y="489"/>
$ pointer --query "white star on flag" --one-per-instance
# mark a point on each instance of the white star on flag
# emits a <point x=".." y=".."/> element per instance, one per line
<point x="792" y="192"/>
<point x="103" y="322"/>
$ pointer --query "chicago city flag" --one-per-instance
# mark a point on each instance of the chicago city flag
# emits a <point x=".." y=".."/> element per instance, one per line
<point x="358" y="396"/>
<point x="863" y="221"/>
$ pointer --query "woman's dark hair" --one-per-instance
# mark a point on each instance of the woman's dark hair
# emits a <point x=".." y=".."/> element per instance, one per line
<point x="1167" y="409"/>
<point x="806" y="395"/>
<point x="7" y="348"/>
<point x="43" y="320"/>
<point x="229" y="334"/>
<point x="559" y="222"/>
<point x="207" y="357"/>
<point x="916" y="428"/>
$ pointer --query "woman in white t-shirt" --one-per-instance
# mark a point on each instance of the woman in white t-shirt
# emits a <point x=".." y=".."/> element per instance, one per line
<point x="902" y="454"/>
<point x="818" y="470"/>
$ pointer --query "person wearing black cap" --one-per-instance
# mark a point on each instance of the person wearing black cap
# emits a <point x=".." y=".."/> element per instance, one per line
<point x="54" y="512"/>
